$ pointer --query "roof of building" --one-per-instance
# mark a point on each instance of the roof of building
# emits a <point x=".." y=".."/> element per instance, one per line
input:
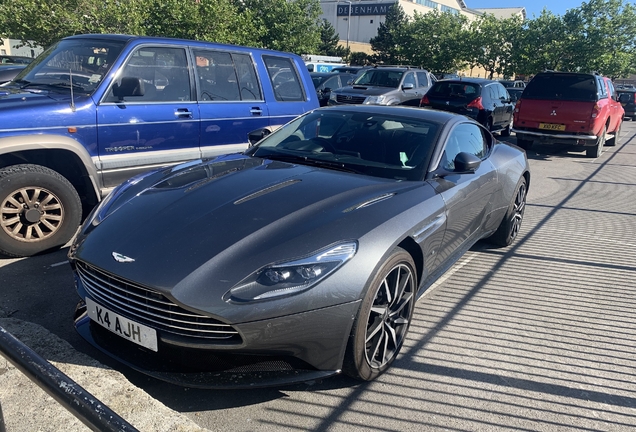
<point x="507" y="12"/>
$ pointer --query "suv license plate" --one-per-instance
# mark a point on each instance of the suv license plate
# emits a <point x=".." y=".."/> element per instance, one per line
<point x="130" y="330"/>
<point x="552" y="126"/>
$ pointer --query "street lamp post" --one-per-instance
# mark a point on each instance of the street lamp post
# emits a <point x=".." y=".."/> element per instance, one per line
<point x="348" y="23"/>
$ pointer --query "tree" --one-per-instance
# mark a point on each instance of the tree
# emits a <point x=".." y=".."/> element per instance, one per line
<point x="490" y="43"/>
<point x="329" y="40"/>
<point x="285" y="25"/>
<point x="392" y="37"/>
<point x="436" y="41"/>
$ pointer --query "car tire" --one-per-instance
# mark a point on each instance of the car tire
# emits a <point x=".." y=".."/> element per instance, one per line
<point x="506" y="132"/>
<point x="39" y="210"/>
<point x="612" y="141"/>
<point x="597" y="150"/>
<point x="524" y="143"/>
<point x="383" y="319"/>
<point x="510" y="225"/>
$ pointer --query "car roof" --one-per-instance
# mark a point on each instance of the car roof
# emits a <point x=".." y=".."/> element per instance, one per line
<point x="482" y="81"/>
<point x="435" y="116"/>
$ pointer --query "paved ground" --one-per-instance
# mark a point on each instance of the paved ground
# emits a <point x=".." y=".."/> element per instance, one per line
<point x="538" y="336"/>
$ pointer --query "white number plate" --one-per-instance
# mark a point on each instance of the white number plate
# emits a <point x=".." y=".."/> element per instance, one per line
<point x="130" y="330"/>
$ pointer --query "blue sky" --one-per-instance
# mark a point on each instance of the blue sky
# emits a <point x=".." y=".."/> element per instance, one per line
<point x="533" y="7"/>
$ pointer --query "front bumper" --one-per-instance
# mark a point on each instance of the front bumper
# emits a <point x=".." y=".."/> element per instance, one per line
<point x="275" y="352"/>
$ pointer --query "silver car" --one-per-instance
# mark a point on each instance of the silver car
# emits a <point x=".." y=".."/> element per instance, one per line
<point x="396" y="85"/>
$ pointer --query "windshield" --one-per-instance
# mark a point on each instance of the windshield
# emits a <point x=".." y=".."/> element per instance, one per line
<point x="380" y="78"/>
<point x="80" y="63"/>
<point x="572" y="87"/>
<point x="457" y="90"/>
<point x="378" y="144"/>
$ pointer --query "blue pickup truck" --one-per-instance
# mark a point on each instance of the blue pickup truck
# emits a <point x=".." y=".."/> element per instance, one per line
<point x="95" y="110"/>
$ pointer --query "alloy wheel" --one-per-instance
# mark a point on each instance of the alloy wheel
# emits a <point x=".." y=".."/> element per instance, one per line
<point x="389" y="316"/>
<point x="31" y="214"/>
<point x="517" y="213"/>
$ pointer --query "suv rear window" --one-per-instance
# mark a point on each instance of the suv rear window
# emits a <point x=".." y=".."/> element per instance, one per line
<point x="458" y="90"/>
<point x="572" y="87"/>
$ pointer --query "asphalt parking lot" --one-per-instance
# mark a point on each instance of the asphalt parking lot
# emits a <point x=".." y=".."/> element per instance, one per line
<point x="538" y="336"/>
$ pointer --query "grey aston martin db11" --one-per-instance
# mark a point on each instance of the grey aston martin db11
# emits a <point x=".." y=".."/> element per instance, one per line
<point x="298" y="259"/>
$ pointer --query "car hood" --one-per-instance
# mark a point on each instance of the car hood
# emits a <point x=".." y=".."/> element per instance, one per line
<point x="226" y="218"/>
<point x="365" y="90"/>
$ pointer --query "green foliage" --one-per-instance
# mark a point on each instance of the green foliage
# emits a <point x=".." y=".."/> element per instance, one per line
<point x="360" y="59"/>
<point x="285" y="25"/>
<point x="392" y="34"/>
<point x="329" y="40"/>
<point x="437" y="41"/>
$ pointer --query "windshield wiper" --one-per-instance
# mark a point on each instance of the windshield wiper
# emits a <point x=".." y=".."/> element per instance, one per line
<point x="64" y="85"/>
<point x="304" y="160"/>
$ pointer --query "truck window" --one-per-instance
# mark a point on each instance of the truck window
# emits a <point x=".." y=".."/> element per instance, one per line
<point x="284" y="79"/>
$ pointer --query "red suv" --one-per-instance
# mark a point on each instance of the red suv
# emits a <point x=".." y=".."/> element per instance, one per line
<point x="569" y="108"/>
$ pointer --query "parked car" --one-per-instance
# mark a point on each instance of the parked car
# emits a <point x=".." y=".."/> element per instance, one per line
<point x="581" y="109"/>
<point x="515" y="93"/>
<point x="10" y="71"/>
<point x="513" y="83"/>
<point x="94" y="110"/>
<point x="484" y="100"/>
<point x="628" y="101"/>
<point x="446" y="75"/>
<point x="11" y="59"/>
<point x="298" y="259"/>
<point x="325" y="82"/>
<point x="399" y="85"/>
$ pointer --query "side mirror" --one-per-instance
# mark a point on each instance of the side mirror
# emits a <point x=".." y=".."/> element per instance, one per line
<point x="257" y="135"/>
<point x="129" y="86"/>
<point x="408" y="86"/>
<point x="326" y="90"/>
<point x="466" y="163"/>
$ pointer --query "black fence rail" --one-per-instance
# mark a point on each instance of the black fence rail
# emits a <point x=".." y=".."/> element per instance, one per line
<point x="60" y="387"/>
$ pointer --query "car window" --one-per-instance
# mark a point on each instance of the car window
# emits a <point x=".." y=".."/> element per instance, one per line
<point x="454" y="89"/>
<point x="563" y="86"/>
<point x="284" y="79"/>
<point x="503" y="93"/>
<point x="409" y="79"/>
<point x="602" y="88"/>
<point x="422" y="79"/>
<point x="225" y="76"/>
<point x="332" y="83"/>
<point x="163" y="73"/>
<point x="465" y="137"/>
<point x="380" y="78"/>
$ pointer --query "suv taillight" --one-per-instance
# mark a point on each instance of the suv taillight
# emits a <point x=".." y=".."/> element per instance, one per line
<point x="424" y="101"/>
<point x="476" y="103"/>
<point x="517" y="105"/>
<point x="596" y="110"/>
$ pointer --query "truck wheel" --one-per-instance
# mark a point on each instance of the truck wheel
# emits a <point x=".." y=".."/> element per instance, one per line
<point x="612" y="141"/>
<point x="39" y="210"/>
<point x="597" y="150"/>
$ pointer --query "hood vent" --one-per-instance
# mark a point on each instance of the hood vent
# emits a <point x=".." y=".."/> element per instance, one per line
<point x="370" y="202"/>
<point x="266" y="191"/>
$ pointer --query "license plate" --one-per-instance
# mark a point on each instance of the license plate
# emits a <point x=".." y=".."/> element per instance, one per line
<point x="552" y="126"/>
<point x="130" y="330"/>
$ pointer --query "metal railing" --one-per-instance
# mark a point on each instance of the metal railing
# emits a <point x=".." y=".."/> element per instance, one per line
<point x="60" y="387"/>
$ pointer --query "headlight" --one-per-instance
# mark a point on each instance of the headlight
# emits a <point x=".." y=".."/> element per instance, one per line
<point x="292" y="277"/>
<point x="333" y="96"/>
<point x="375" y="100"/>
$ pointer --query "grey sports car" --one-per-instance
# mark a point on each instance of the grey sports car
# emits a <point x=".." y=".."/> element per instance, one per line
<point x="298" y="259"/>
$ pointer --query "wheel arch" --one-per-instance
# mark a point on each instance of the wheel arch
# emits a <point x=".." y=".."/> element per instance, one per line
<point x="62" y="154"/>
<point x="413" y="249"/>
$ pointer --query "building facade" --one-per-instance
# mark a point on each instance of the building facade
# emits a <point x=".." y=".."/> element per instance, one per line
<point x="357" y="21"/>
<point x="10" y="47"/>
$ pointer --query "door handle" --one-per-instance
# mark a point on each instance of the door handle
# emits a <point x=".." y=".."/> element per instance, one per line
<point x="256" y="111"/>
<point x="183" y="113"/>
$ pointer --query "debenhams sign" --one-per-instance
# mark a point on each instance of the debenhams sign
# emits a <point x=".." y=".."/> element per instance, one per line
<point x="359" y="9"/>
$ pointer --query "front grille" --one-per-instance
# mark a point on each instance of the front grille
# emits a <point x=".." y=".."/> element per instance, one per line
<point x="356" y="100"/>
<point x="150" y="307"/>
